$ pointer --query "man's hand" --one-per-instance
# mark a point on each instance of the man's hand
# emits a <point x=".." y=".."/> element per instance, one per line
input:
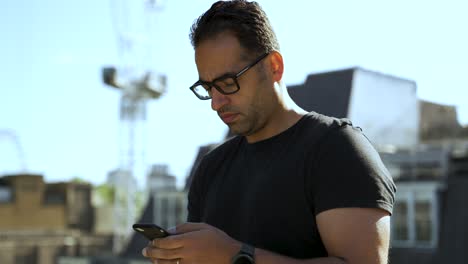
<point x="193" y="243"/>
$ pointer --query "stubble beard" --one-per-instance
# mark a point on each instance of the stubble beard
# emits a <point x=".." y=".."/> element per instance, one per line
<point x="254" y="118"/>
<point x="249" y="123"/>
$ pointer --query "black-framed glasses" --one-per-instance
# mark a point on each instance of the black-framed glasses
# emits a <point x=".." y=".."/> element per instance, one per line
<point x="225" y="84"/>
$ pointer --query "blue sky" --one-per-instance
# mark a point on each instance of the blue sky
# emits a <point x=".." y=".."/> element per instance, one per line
<point x="52" y="51"/>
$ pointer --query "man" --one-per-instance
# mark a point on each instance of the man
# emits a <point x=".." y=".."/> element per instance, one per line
<point x="293" y="187"/>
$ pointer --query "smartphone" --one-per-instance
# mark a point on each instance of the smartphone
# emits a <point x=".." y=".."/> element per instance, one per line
<point x="150" y="231"/>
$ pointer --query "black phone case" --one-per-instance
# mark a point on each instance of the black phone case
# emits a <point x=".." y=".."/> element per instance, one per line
<point x="150" y="231"/>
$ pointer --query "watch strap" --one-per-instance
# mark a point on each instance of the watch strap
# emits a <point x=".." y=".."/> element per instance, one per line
<point x="248" y="249"/>
<point x="246" y="253"/>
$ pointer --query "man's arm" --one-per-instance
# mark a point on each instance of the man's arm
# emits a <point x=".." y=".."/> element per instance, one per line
<point x="268" y="257"/>
<point x="201" y="243"/>
<point x="350" y="235"/>
<point x="359" y="235"/>
<point x="355" y="235"/>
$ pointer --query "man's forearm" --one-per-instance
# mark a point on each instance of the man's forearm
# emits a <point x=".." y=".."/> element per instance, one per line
<point x="268" y="257"/>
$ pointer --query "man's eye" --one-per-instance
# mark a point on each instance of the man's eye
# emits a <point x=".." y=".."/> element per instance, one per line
<point x="206" y="87"/>
<point x="226" y="82"/>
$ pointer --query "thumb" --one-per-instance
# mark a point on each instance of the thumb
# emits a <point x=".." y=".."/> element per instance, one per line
<point x="188" y="227"/>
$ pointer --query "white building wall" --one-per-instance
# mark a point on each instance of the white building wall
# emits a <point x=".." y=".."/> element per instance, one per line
<point x="167" y="215"/>
<point x="386" y="108"/>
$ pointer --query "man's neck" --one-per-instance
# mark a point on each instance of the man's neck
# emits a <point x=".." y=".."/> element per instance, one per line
<point x="280" y="122"/>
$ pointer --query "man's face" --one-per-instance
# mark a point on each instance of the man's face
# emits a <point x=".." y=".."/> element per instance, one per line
<point x="245" y="112"/>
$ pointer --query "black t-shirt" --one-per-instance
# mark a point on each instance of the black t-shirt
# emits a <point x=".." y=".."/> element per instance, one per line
<point x="268" y="193"/>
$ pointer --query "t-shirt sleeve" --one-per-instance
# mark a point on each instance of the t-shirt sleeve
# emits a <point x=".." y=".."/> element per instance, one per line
<point x="349" y="173"/>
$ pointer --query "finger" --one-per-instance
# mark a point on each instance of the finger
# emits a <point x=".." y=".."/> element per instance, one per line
<point x="189" y="227"/>
<point x="164" y="261"/>
<point x="162" y="254"/>
<point x="169" y="242"/>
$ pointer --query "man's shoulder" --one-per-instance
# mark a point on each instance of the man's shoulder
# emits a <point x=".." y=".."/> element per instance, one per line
<point x="316" y="125"/>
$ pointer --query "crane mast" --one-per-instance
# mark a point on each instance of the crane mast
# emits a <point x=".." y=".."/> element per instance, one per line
<point x="137" y="83"/>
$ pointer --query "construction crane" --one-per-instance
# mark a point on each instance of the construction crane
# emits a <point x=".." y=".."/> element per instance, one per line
<point x="138" y="83"/>
<point x="14" y="160"/>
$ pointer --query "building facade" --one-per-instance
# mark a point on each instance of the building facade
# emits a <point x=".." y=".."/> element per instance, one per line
<point x="41" y="221"/>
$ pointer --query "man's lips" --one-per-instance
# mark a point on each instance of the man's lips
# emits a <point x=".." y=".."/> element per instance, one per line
<point x="228" y="117"/>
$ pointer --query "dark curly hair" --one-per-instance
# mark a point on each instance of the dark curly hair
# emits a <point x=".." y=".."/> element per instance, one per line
<point x="246" y="20"/>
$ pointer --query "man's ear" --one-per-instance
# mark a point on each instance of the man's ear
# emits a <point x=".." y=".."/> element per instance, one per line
<point x="277" y="66"/>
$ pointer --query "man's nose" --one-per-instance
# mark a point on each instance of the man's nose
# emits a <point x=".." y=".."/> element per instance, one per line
<point x="218" y="99"/>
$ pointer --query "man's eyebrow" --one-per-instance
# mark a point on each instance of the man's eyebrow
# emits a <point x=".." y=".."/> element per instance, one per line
<point x="225" y="75"/>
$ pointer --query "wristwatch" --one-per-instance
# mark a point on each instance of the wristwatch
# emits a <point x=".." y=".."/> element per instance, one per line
<point x="245" y="255"/>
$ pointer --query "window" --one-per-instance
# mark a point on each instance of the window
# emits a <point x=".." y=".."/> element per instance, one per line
<point x="415" y="215"/>
<point x="423" y="221"/>
<point x="5" y="194"/>
<point x="400" y="226"/>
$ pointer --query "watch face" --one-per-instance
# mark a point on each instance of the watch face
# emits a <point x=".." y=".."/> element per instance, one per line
<point x="243" y="259"/>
